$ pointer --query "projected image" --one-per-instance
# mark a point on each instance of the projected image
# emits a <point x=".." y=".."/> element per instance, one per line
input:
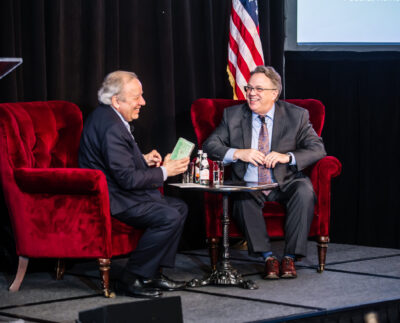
<point x="348" y="22"/>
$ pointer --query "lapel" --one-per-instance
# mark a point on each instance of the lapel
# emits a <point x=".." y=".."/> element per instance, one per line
<point x="279" y="125"/>
<point x="124" y="132"/>
<point x="139" y="153"/>
<point x="128" y="134"/>
<point x="246" y="124"/>
<point x="136" y="148"/>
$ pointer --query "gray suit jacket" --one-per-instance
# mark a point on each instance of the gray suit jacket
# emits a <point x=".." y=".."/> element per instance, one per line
<point x="292" y="132"/>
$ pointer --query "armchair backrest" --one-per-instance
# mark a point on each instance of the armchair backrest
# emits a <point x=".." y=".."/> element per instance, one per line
<point x="207" y="114"/>
<point x="40" y="134"/>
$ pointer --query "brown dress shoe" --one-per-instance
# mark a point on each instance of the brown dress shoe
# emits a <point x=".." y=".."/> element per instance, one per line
<point x="271" y="268"/>
<point x="288" y="270"/>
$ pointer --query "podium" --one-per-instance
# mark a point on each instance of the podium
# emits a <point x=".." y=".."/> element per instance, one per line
<point x="8" y="64"/>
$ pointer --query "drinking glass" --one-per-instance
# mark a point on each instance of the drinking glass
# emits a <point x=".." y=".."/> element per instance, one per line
<point x="218" y="172"/>
<point x="190" y="171"/>
<point x="188" y="175"/>
<point x="221" y="173"/>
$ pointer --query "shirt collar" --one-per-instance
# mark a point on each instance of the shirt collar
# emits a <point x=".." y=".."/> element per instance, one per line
<point x="269" y="114"/>
<point x="126" y="124"/>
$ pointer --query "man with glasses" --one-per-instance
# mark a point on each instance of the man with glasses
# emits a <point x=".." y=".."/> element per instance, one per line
<point x="108" y="144"/>
<point x="267" y="140"/>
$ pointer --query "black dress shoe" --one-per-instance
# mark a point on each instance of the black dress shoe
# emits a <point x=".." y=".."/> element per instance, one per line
<point x="137" y="288"/>
<point x="164" y="283"/>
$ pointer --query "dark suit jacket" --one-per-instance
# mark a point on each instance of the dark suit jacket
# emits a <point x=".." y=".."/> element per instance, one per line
<point x="292" y="132"/>
<point x="107" y="145"/>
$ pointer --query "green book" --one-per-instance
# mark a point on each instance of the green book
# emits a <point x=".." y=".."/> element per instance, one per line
<point x="183" y="148"/>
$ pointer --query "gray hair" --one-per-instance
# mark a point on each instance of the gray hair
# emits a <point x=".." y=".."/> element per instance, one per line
<point x="113" y="84"/>
<point x="272" y="74"/>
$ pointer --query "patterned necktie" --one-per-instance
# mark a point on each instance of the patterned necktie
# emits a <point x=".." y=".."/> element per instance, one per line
<point x="264" y="173"/>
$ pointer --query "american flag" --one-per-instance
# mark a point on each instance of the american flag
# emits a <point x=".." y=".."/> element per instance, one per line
<point x="244" y="50"/>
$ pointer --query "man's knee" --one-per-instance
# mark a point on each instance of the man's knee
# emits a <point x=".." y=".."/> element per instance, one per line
<point x="183" y="209"/>
<point x="304" y="191"/>
<point x="182" y="214"/>
<point x="174" y="217"/>
<point x="177" y="204"/>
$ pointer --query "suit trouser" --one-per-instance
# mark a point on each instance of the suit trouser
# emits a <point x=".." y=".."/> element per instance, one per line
<point x="163" y="221"/>
<point x="299" y="200"/>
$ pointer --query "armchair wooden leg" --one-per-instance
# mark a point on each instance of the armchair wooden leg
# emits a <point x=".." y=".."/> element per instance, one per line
<point x="19" y="277"/>
<point x="60" y="269"/>
<point x="213" y="252"/>
<point x="322" y="248"/>
<point x="104" y="266"/>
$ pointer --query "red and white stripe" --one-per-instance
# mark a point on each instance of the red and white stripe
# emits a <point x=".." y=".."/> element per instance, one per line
<point x="244" y="50"/>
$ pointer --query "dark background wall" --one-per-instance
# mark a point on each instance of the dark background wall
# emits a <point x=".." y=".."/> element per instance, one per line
<point x="361" y="92"/>
<point x="179" y="50"/>
<point x="177" y="47"/>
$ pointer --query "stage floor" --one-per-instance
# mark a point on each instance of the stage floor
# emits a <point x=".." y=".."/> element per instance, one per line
<point x="354" y="275"/>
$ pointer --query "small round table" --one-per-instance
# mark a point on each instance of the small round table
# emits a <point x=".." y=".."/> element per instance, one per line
<point x="225" y="274"/>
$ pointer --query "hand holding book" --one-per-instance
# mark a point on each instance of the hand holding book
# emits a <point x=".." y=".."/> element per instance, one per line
<point x="183" y="148"/>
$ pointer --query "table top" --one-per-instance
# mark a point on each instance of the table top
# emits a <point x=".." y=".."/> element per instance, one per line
<point x="226" y="187"/>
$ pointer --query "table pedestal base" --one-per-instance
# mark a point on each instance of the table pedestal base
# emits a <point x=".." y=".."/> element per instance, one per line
<point x="226" y="276"/>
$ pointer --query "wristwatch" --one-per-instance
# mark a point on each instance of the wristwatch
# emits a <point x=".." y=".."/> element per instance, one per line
<point x="290" y="157"/>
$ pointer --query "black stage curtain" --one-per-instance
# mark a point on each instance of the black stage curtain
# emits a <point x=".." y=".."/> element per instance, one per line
<point x="178" y="48"/>
<point x="362" y="99"/>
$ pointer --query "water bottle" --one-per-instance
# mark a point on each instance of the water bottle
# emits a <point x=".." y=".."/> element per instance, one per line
<point x="204" y="170"/>
<point x="197" y="166"/>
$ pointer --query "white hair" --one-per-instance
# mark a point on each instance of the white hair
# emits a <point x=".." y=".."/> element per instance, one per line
<point x="113" y="84"/>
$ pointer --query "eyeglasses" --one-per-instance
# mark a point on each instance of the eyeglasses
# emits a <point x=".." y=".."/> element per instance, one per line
<point x="248" y="89"/>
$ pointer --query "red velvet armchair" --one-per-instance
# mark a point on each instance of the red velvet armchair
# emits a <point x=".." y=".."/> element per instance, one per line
<point x="206" y="115"/>
<point x="57" y="210"/>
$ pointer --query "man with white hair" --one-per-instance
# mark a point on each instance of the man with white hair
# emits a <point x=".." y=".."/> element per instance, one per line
<point x="108" y="144"/>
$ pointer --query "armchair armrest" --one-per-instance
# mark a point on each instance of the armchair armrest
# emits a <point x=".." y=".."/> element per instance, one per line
<point x="321" y="174"/>
<point x="63" y="207"/>
<point x="324" y="170"/>
<point x="60" y="180"/>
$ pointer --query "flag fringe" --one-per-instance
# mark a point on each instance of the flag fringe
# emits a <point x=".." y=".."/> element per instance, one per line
<point x="232" y="82"/>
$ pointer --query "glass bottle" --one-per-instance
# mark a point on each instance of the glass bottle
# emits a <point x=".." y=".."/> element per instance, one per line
<point x="197" y="166"/>
<point x="204" y="170"/>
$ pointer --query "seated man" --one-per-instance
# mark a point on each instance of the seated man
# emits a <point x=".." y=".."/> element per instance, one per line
<point x="268" y="141"/>
<point x="108" y="144"/>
